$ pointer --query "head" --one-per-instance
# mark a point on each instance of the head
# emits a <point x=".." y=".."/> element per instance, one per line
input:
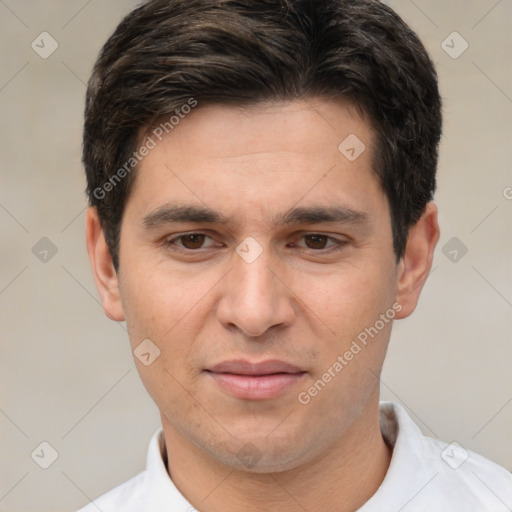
<point x="260" y="176"/>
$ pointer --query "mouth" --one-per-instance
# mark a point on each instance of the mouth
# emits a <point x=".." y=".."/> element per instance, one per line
<point x="255" y="381"/>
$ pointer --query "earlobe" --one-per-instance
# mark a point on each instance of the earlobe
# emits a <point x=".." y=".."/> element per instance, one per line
<point x="414" y="266"/>
<point x="105" y="275"/>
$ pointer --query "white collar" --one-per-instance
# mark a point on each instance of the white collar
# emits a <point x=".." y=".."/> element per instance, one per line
<point x="419" y="478"/>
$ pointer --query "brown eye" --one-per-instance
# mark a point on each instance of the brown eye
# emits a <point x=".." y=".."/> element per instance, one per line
<point x="193" y="241"/>
<point x="316" y="241"/>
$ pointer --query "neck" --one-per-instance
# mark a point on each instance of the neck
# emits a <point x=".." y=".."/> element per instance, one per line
<point x="343" y="478"/>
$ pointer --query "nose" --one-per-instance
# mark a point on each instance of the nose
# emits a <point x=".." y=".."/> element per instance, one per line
<point x="254" y="299"/>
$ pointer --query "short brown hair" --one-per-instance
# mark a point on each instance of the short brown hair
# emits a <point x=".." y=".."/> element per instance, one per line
<point x="167" y="52"/>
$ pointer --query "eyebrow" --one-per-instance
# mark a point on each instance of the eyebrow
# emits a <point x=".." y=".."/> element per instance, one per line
<point x="319" y="214"/>
<point x="168" y="214"/>
<point x="174" y="213"/>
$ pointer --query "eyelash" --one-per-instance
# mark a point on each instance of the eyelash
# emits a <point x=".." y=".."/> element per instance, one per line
<point x="172" y="241"/>
<point x="336" y="243"/>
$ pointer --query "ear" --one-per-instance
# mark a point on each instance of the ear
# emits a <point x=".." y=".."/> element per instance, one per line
<point x="105" y="276"/>
<point x="414" y="266"/>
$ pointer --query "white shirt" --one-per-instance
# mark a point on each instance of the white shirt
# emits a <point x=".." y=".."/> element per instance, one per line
<point x="425" y="475"/>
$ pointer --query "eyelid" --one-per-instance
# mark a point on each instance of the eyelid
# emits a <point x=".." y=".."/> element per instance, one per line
<point x="333" y="241"/>
<point x="171" y="240"/>
<point x="337" y="242"/>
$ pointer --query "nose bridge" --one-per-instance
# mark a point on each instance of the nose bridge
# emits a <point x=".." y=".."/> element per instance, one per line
<point x="252" y="281"/>
<point x="253" y="299"/>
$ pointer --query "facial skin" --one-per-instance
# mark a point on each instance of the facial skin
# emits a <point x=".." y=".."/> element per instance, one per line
<point x="263" y="171"/>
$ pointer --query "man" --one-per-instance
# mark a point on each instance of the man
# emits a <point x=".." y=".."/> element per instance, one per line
<point x="261" y="177"/>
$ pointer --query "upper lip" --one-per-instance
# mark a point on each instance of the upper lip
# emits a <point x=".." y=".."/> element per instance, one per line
<point x="243" y="367"/>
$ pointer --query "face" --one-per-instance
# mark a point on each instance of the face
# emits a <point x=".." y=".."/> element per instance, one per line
<point x="256" y="256"/>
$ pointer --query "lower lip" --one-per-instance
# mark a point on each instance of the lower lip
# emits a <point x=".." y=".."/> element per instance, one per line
<point x="256" y="387"/>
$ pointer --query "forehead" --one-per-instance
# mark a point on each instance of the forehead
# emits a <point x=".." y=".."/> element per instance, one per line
<point x="265" y="155"/>
<point x="301" y="126"/>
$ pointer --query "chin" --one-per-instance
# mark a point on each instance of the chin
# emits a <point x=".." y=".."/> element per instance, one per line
<point x="261" y="454"/>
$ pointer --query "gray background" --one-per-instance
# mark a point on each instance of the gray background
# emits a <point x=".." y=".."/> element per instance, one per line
<point x="67" y="375"/>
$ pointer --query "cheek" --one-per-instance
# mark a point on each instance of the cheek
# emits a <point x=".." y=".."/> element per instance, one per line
<point x="170" y="308"/>
<point x="157" y="299"/>
<point x="348" y="299"/>
<point x="160" y="308"/>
